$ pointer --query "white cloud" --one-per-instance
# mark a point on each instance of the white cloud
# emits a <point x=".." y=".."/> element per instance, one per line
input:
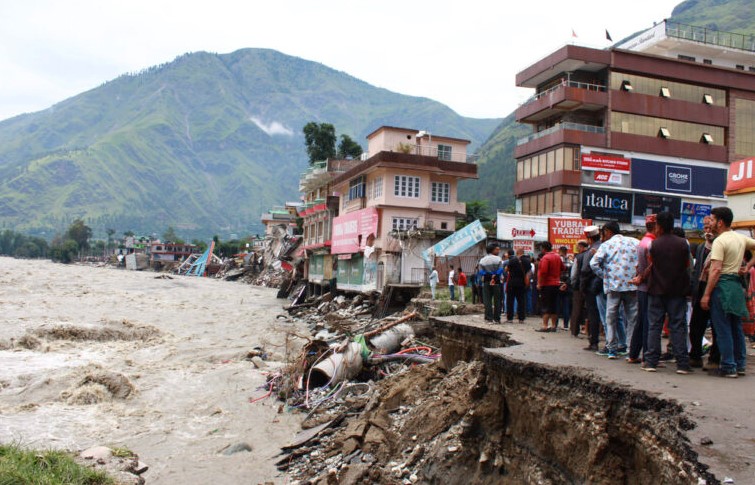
<point x="273" y="128"/>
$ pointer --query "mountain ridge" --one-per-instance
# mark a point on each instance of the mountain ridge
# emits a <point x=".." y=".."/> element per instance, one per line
<point x="204" y="143"/>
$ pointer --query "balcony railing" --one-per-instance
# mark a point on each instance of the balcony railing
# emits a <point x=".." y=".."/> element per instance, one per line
<point x="568" y="84"/>
<point x="713" y="37"/>
<point x="428" y="151"/>
<point x="559" y="127"/>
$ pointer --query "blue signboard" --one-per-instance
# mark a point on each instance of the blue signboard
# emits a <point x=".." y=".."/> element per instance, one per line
<point x="456" y="243"/>
<point x="693" y="214"/>
<point x="678" y="178"/>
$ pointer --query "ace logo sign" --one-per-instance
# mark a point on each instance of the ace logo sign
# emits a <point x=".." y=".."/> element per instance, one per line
<point x="607" y="178"/>
<point x="678" y="179"/>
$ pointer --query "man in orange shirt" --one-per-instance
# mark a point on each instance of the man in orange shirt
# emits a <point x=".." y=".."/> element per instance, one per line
<point x="548" y="281"/>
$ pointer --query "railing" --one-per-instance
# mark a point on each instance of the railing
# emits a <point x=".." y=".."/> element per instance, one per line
<point x="713" y="37"/>
<point x="559" y="127"/>
<point x="429" y="151"/>
<point x="568" y="84"/>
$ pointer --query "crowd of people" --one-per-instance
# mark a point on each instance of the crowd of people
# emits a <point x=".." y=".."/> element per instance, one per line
<point x="634" y="292"/>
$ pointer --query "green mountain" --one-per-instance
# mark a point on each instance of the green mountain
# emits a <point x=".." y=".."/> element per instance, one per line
<point x="204" y="143"/>
<point x="497" y="165"/>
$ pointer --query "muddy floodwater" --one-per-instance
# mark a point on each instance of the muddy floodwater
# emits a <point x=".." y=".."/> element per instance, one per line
<point x="99" y="356"/>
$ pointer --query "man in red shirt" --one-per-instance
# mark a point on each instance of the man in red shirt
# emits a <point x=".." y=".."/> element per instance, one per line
<point x="548" y="281"/>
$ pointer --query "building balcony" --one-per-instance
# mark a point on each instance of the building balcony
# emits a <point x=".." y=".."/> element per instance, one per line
<point x="703" y="35"/>
<point x="571" y="133"/>
<point x="568" y="96"/>
<point x="674" y="109"/>
<point x="428" y="151"/>
<point x="571" y="178"/>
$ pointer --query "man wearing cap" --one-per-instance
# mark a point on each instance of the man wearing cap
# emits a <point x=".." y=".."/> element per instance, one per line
<point x="638" y="342"/>
<point x="616" y="262"/>
<point x="591" y="287"/>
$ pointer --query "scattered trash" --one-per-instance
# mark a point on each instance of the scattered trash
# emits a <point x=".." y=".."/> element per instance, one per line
<point x="237" y="448"/>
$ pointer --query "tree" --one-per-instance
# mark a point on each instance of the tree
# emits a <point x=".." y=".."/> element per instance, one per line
<point x="348" y="148"/>
<point x="80" y="233"/>
<point x="476" y="209"/>
<point x="170" y="236"/>
<point x="128" y="234"/>
<point x="110" y="232"/>
<point x="320" y="140"/>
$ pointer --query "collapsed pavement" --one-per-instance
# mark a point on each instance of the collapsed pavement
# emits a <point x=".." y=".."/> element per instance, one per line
<point x="479" y="415"/>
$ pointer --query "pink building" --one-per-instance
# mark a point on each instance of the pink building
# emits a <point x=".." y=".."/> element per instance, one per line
<point x="399" y="201"/>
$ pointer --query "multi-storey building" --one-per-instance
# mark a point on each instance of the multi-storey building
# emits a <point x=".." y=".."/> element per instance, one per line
<point x="284" y="217"/>
<point x="394" y="204"/>
<point x="318" y="209"/>
<point x="651" y="124"/>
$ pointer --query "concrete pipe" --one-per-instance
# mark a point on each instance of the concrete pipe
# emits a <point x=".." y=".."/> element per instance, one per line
<point x="390" y="341"/>
<point x="338" y="367"/>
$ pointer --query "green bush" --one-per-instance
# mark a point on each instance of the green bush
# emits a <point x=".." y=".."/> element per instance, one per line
<point x="18" y="466"/>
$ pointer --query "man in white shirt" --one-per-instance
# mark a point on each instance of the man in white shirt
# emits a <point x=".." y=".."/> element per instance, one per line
<point x="451" y="284"/>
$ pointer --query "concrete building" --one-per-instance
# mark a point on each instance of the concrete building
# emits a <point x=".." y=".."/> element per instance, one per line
<point x="649" y="125"/>
<point x="318" y="209"/>
<point x="394" y="204"/>
<point x="281" y="217"/>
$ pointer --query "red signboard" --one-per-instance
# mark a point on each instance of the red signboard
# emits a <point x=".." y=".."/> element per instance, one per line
<point x="592" y="161"/>
<point x="741" y="176"/>
<point x="566" y="231"/>
<point x="350" y="231"/>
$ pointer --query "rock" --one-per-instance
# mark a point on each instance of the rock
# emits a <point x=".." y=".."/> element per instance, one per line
<point x="453" y="449"/>
<point x="258" y="362"/>
<point x="237" y="448"/>
<point x="140" y="468"/>
<point x="97" y="453"/>
<point x="706" y="441"/>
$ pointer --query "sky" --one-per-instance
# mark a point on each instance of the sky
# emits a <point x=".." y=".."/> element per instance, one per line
<point x="464" y="54"/>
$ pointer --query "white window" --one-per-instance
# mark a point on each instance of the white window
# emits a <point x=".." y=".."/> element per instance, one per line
<point x="404" y="223"/>
<point x="356" y="188"/>
<point x="377" y="187"/>
<point x="444" y="152"/>
<point x="406" y="186"/>
<point x="439" y="192"/>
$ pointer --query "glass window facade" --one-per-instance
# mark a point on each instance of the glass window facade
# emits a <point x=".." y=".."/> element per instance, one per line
<point x="652" y="87"/>
<point x="678" y="130"/>
<point x="444" y="152"/>
<point x="744" y="129"/>
<point x="404" y="223"/>
<point x="558" y="200"/>
<point x="563" y="158"/>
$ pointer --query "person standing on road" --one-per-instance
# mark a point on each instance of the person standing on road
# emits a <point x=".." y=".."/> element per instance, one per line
<point x="699" y="321"/>
<point x="565" y="288"/>
<point x="668" y="285"/>
<point x="515" y="288"/>
<point x="638" y="341"/>
<point x="433" y="280"/>
<point x="491" y="270"/>
<point x="592" y="288"/>
<point x="452" y="283"/>
<point x="462" y="279"/>
<point x="724" y="295"/>
<point x="578" y="299"/>
<point x="550" y="268"/>
<point x="616" y="263"/>
<point x="476" y="286"/>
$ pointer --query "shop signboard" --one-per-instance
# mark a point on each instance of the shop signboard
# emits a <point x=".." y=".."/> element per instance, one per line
<point x="511" y="227"/>
<point x="351" y="230"/>
<point x="526" y="245"/>
<point x="646" y="204"/>
<point x="606" y="205"/>
<point x="456" y="243"/>
<point x="563" y="231"/>
<point x="605" y="163"/>
<point x="605" y="178"/>
<point x="693" y="214"/>
<point x="741" y="176"/>
<point x="679" y="178"/>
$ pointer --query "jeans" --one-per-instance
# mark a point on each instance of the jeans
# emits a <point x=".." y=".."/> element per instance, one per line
<point x="638" y="341"/>
<point x="564" y="306"/>
<point x="451" y="291"/>
<point x="697" y="325"/>
<point x="476" y="293"/>
<point x="593" y="317"/>
<point x="729" y="336"/>
<point x="614" y="325"/>
<point x="491" y="297"/>
<point x="676" y="307"/>
<point x="516" y="293"/>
